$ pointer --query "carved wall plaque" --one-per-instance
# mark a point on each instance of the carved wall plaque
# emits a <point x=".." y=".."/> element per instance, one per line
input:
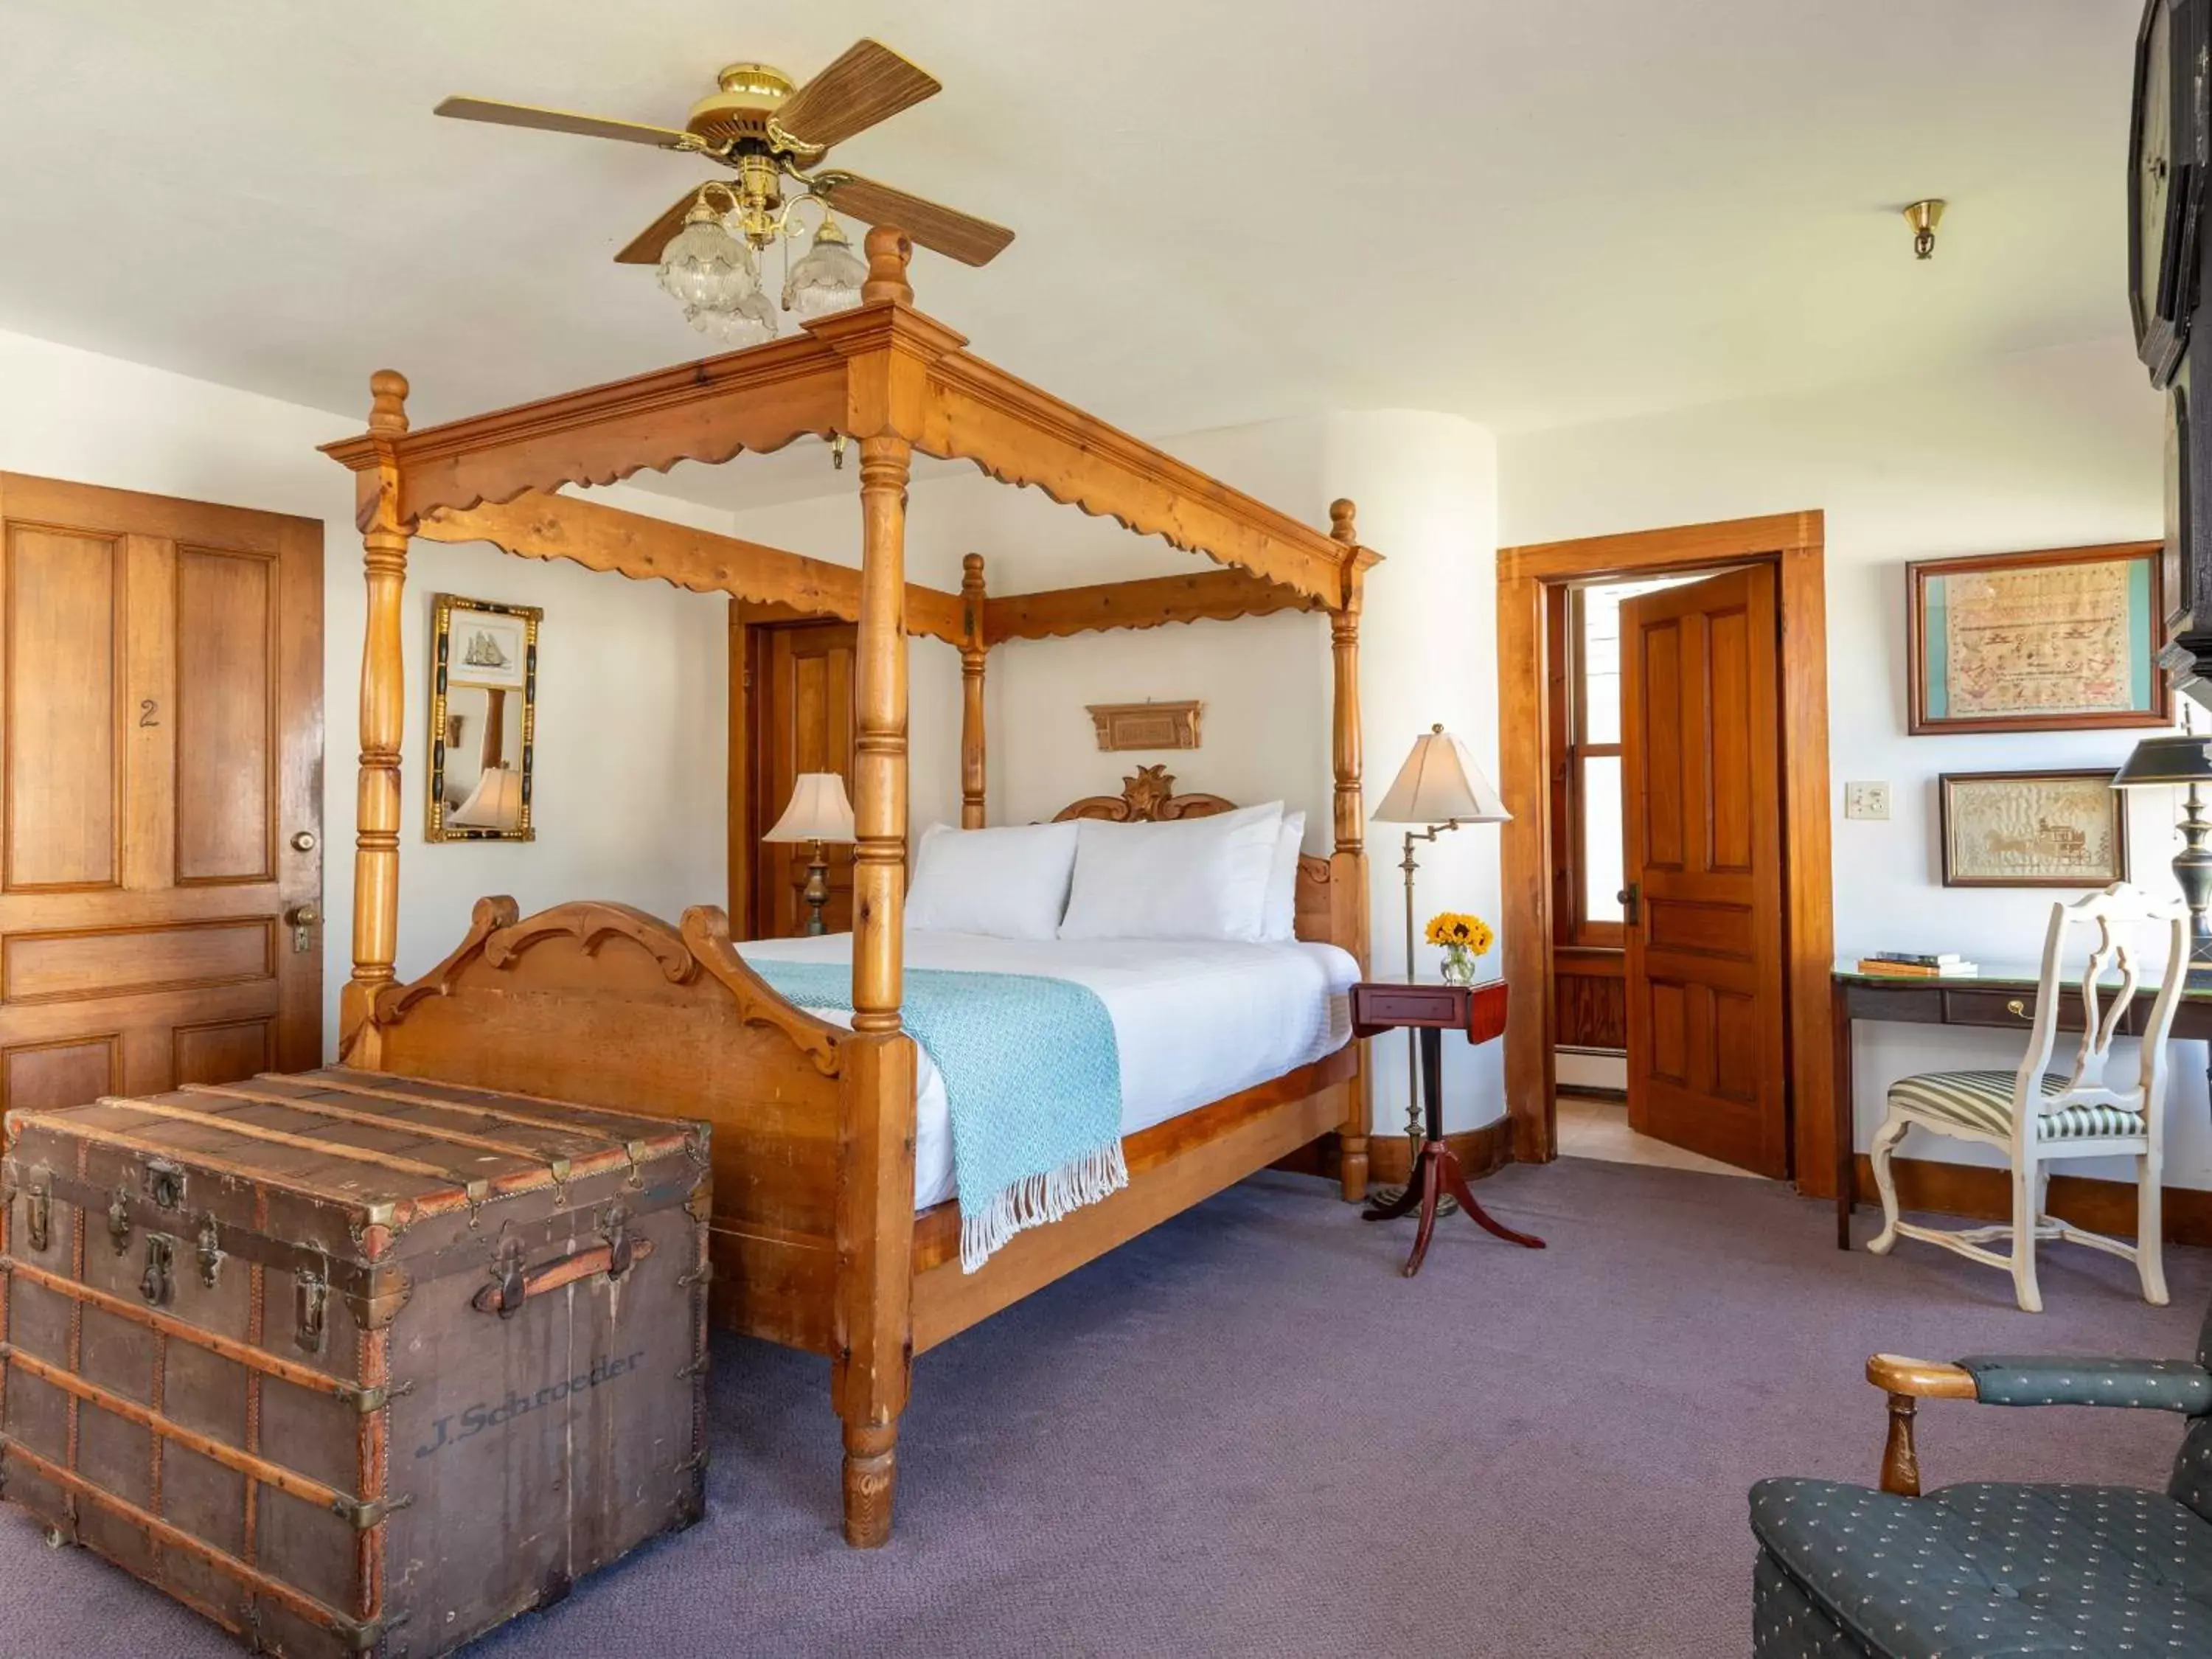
<point x="1147" y="725"/>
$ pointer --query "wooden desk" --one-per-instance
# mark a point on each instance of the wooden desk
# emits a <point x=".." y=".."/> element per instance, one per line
<point x="2001" y="998"/>
<point x="1430" y="1008"/>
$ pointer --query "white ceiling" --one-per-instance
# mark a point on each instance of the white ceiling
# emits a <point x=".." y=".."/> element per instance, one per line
<point x="1528" y="212"/>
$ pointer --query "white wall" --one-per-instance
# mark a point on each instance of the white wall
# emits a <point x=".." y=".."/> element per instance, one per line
<point x="632" y="705"/>
<point x="2052" y="449"/>
<point x="1426" y="490"/>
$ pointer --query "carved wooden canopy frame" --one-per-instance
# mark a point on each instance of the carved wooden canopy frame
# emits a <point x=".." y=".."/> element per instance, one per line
<point x="897" y="382"/>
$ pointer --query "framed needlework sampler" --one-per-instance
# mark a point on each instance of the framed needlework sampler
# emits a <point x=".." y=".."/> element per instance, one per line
<point x="2055" y="641"/>
<point x="2032" y="828"/>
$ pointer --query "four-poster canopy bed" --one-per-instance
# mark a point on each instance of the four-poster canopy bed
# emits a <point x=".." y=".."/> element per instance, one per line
<point x="817" y="1243"/>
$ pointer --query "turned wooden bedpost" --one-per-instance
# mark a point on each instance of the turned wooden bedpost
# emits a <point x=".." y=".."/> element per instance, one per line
<point x="875" y="1199"/>
<point x="872" y="1351"/>
<point x="973" y="653"/>
<point x="383" y="710"/>
<point x="1348" y="868"/>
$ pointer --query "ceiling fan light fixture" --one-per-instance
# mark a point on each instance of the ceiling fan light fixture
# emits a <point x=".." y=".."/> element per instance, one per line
<point x="705" y="267"/>
<point x="749" y="322"/>
<point x="827" y="277"/>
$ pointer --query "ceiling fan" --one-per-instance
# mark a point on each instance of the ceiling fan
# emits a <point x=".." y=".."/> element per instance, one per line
<point x="766" y="130"/>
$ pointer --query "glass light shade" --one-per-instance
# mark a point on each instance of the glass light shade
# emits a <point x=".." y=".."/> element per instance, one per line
<point x="1440" y="782"/>
<point x="827" y="277"/>
<point x="818" y="810"/>
<point x="747" y="322"/>
<point x="707" y="269"/>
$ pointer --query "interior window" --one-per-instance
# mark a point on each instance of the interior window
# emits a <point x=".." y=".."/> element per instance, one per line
<point x="1593" y="759"/>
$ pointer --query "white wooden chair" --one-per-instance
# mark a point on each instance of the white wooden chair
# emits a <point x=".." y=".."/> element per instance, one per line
<point x="2035" y="1115"/>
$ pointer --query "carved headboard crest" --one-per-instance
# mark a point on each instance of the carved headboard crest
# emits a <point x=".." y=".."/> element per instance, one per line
<point x="1147" y="796"/>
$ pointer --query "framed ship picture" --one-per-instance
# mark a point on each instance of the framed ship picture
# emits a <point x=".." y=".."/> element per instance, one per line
<point x="2055" y="641"/>
<point x="2033" y="829"/>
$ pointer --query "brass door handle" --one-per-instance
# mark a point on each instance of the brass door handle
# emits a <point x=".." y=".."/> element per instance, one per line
<point x="303" y="915"/>
<point x="2016" y="1008"/>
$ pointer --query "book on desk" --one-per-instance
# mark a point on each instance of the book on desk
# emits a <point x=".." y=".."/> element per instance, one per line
<point x="1911" y="964"/>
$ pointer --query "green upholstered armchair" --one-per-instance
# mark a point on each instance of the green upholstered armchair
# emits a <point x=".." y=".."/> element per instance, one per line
<point x="1995" y="1568"/>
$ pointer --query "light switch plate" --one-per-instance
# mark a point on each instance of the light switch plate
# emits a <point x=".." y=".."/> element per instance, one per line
<point x="1866" y="800"/>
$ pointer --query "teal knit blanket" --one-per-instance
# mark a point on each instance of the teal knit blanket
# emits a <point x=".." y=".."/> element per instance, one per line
<point x="1032" y="1082"/>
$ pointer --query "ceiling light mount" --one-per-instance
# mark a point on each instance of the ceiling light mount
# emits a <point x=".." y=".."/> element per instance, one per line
<point x="1924" y="216"/>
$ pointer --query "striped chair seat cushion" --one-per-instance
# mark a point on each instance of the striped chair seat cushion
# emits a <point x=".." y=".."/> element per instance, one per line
<point x="1983" y="1100"/>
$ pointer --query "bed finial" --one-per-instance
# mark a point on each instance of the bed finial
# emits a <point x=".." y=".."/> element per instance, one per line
<point x="387" y="401"/>
<point x="1341" y="514"/>
<point x="888" y="251"/>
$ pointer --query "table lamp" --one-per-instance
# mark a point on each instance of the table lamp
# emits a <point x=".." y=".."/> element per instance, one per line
<point x="1439" y="787"/>
<point x="818" y="812"/>
<point x="495" y="804"/>
<point x="2180" y="757"/>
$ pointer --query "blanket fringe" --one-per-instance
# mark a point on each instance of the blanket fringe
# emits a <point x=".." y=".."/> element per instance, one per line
<point x="1035" y="1199"/>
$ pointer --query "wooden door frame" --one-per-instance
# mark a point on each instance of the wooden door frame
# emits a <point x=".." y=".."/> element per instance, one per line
<point x="1794" y="543"/>
<point x="750" y="625"/>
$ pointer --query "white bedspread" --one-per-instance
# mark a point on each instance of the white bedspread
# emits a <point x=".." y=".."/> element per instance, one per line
<point x="1194" y="1019"/>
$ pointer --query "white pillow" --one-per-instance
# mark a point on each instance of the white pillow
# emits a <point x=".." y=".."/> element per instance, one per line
<point x="1194" y="878"/>
<point x="1009" y="883"/>
<point x="1281" y="925"/>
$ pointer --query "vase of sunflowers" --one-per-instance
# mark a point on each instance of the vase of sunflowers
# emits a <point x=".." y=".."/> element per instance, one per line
<point x="1464" y="938"/>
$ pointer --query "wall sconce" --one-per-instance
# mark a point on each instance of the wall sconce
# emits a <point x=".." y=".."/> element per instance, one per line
<point x="1924" y="217"/>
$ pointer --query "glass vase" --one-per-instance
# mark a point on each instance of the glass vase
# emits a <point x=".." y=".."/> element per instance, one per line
<point x="1459" y="965"/>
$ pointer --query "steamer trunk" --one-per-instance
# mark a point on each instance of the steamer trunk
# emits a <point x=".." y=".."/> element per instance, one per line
<point x="354" y="1363"/>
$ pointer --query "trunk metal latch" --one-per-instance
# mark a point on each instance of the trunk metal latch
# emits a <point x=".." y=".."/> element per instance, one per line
<point x="38" y="1201"/>
<point x="155" y="1284"/>
<point x="311" y="1296"/>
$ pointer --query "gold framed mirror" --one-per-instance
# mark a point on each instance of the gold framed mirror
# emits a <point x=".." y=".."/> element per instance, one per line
<point x="483" y="719"/>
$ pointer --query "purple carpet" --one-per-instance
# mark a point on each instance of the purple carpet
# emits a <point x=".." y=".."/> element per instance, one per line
<point x="1245" y="1434"/>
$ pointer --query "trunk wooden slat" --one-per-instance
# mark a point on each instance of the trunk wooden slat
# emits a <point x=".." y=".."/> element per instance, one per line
<point x="350" y="1363"/>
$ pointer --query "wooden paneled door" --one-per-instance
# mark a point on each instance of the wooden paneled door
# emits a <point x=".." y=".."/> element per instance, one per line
<point x="1707" y="1019"/>
<point x="799" y="698"/>
<point x="161" y="793"/>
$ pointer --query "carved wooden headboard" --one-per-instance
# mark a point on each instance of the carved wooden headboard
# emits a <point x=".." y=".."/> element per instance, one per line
<point x="1148" y="796"/>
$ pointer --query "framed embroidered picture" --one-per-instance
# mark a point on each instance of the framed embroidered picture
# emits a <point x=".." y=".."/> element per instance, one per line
<point x="2055" y="641"/>
<point x="2033" y="829"/>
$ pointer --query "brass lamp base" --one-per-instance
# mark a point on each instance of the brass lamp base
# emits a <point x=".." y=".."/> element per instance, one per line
<point x="816" y="891"/>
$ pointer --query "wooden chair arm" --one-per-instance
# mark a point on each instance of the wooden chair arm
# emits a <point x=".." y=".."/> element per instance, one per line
<point x="1923" y="1379"/>
<point x="1907" y="1383"/>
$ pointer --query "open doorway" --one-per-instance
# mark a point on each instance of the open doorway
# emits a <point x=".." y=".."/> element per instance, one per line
<point x="1667" y="875"/>
<point x="791" y="712"/>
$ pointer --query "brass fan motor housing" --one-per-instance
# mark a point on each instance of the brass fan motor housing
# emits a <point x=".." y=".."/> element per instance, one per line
<point x="750" y="95"/>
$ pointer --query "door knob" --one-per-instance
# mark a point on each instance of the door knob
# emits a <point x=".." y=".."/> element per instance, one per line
<point x="303" y="917"/>
<point x="1632" y="903"/>
<point x="304" y="841"/>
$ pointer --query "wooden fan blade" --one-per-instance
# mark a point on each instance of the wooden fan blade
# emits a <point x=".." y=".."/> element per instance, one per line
<point x="957" y="235"/>
<point x="560" y="121"/>
<point x="646" y="247"/>
<point x="869" y="84"/>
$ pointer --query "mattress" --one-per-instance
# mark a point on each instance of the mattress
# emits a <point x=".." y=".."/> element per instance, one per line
<point x="1194" y="1019"/>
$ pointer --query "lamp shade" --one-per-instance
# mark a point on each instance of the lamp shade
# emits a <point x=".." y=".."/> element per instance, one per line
<point x="2176" y="757"/>
<point x="1440" y="782"/>
<point x="818" y="810"/>
<point x="495" y="804"/>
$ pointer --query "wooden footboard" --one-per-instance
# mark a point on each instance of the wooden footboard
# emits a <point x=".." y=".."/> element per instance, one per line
<point x="605" y="1005"/>
<point x="814" y="1240"/>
